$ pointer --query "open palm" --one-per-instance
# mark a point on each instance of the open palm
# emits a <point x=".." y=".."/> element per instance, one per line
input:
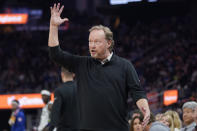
<point x="56" y="11"/>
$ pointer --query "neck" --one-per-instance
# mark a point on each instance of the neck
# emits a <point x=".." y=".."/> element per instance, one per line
<point x="47" y="102"/>
<point x="188" y="123"/>
<point x="105" y="56"/>
<point x="67" y="79"/>
<point x="15" y="109"/>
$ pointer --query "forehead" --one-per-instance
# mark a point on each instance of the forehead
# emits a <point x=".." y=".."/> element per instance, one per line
<point x="187" y="110"/>
<point x="136" y="120"/>
<point x="165" y="117"/>
<point x="45" y="95"/>
<point x="97" y="34"/>
<point x="14" y="104"/>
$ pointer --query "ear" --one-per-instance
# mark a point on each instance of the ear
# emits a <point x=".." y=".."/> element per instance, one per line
<point x="109" y="42"/>
<point x="73" y="75"/>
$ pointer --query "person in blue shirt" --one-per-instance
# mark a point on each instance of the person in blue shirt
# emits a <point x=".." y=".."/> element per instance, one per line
<point x="17" y="118"/>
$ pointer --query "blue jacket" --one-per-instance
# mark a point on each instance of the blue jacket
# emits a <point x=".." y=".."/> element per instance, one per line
<point x="19" y="124"/>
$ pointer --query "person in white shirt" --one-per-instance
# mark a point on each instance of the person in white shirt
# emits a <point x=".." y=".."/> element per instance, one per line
<point x="45" y="115"/>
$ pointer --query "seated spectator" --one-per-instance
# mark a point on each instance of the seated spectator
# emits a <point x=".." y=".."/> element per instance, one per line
<point x="188" y="111"/>
<point x="168" y="121"/>
<point x="195" y="118"/>
<point x="136" y="124"/>
<point x="134" y="114"/>
<point x="158" y="117"/>
<point x="155" y="125"/>
<point x="137" y="113"/>
<point x="176" y="119"/>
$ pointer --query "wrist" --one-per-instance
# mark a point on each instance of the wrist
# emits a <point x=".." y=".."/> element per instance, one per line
<point x="53" y="26"/>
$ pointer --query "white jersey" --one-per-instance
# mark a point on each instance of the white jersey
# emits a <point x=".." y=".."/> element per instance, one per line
<point x="44" y="118"/>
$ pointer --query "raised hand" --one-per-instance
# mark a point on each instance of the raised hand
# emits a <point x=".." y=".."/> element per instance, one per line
<point x="56" y="11"/>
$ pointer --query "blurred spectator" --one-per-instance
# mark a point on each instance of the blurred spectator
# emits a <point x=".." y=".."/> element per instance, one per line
<point x="168" y="121"/>
<point x="176" y="119"/>
<point x="188" y="111"/>
<point x="45" y="116"/>
<point x="17" y="120"/>
<point x="195" y="119"/>
<point x="136" y="123"/>
<point x="158" y="117"/>
<point x="137" y="112"/>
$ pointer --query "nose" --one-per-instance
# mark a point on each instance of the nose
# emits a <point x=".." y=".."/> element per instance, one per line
<point x="93" y="46"/>
<point x="184" y="115"/>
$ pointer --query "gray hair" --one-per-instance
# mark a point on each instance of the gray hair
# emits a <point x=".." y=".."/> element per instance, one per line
<point x="190" y="104"/>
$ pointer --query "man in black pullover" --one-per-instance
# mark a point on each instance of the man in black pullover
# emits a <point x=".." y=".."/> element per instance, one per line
<point x="103" y="80"/>
<point x="64" y="113"/>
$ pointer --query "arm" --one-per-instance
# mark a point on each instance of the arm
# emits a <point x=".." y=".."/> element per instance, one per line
<point x="56" y="110"/>
<point x="63" y="58"/>
<point x="138" y="93"/>
<point x="144" y="108"/>
<point x="133" y="83"/>
<point x="55" y="21"/>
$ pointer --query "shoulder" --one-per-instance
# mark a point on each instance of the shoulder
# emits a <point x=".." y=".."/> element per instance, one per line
<point x="21" y="113"/>
<point x="159" y="126"/>
<point x="121" y="60"/>
<point x="176" y="129"/>
<point x="57" y="91"/>
<point x="125" y="63"/>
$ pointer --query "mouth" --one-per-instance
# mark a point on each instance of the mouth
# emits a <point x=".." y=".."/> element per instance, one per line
<point x="93" y="52"/>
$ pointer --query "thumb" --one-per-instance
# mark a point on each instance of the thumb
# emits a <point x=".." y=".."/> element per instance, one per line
<point x="64" y="20"/>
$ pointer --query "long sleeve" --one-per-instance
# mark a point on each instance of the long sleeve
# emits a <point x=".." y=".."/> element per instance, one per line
<point x="64" y="58"/>
<point x="133" y="84"/>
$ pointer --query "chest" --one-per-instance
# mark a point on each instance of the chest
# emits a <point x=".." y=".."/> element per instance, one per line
<point x="108" y="74"/>
<point x="45" y="111"/>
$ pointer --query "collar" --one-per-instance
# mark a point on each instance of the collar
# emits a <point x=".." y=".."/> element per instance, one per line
<point x="193" y="124"/>
<point x="107" y="59"/>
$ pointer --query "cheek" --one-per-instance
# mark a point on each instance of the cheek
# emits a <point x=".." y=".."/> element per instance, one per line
<point x="90" y="46"/>
<point x="188" y="115"/>
<point x="100" y="48"/>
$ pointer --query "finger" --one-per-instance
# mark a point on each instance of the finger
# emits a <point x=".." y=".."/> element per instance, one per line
<point x="54" y="6"/>
<point x="145" y="122"/>
<point x="51" y="9"/>
<point x="146" y="119"/>
<point x="61" y="9"/>
<point x="58" y="6"/>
